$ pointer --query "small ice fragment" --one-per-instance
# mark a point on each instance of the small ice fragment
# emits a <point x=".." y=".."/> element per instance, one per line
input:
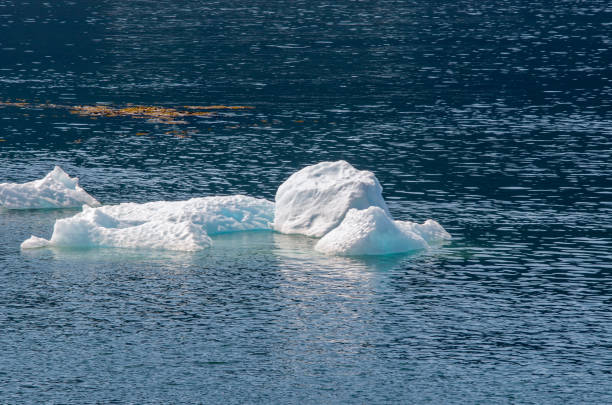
<point x="430" y="230"/>
<point x="314" y="200"/>
<point x="34" y="243"/>
<point x="373" y="232"/>
<point x="55" y="190"/>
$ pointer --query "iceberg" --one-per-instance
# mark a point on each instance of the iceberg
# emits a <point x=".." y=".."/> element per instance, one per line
<point x="178" y="225"/>
<point x="373" y="232"/>
<point x="315" y="200"/>
<point x="331" y="200"/>
<point x="55" y="190"/>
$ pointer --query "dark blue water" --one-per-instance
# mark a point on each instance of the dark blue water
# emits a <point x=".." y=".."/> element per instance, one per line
<point x="494" y="118"/>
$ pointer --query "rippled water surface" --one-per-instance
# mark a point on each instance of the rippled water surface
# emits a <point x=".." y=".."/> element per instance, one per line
<point x="494" y="118"/>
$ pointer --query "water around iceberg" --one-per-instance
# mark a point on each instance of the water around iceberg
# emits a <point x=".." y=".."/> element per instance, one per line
<point x="494" y="118"/>
<point x="318" y="200"/>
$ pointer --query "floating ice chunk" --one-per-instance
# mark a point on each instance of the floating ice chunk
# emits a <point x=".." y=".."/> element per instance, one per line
<point x="314" y="200"/>
<point x="34" y="243"/>
<point x="178" y="225"/>
<point x="345" y="206"/>
<point x="373" y="232"/>
<point x="55" y="190"/>
<point x="92" y="228"/>
<point x="431" y="231"/>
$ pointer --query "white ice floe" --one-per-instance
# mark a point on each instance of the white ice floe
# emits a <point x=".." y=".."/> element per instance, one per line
<point x="55" y="190"/>
<point x="373" y="232"/>
<point x="314" y="200"/>
<point x="179" y="225"/>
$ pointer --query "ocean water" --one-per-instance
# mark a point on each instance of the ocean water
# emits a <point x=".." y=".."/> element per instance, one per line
<point x="494" y="118"/>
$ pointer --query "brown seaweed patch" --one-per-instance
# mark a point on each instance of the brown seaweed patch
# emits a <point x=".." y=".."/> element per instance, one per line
<point x="164" y="115"/>
<point x="14" y="104"/>
<point x="154" y="114"/>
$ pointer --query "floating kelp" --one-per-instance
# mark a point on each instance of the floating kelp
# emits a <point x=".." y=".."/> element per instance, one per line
<point x="157" y="114"/>
<point x="218" y="107"/>
<point x="181" y="133"/>
<point x="14" y="104"/>
<point x="162" y="115"/>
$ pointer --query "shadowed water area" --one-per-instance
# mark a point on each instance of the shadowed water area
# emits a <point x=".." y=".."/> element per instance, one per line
<point x="493" y="118"/>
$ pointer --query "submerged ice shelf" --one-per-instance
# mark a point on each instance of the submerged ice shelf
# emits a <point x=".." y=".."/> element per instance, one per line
<point x="55" y="190"/>
<point x="331" y="200"/>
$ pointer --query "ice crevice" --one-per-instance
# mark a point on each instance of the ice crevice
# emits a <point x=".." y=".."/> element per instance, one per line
<point x="332" y="201"/>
